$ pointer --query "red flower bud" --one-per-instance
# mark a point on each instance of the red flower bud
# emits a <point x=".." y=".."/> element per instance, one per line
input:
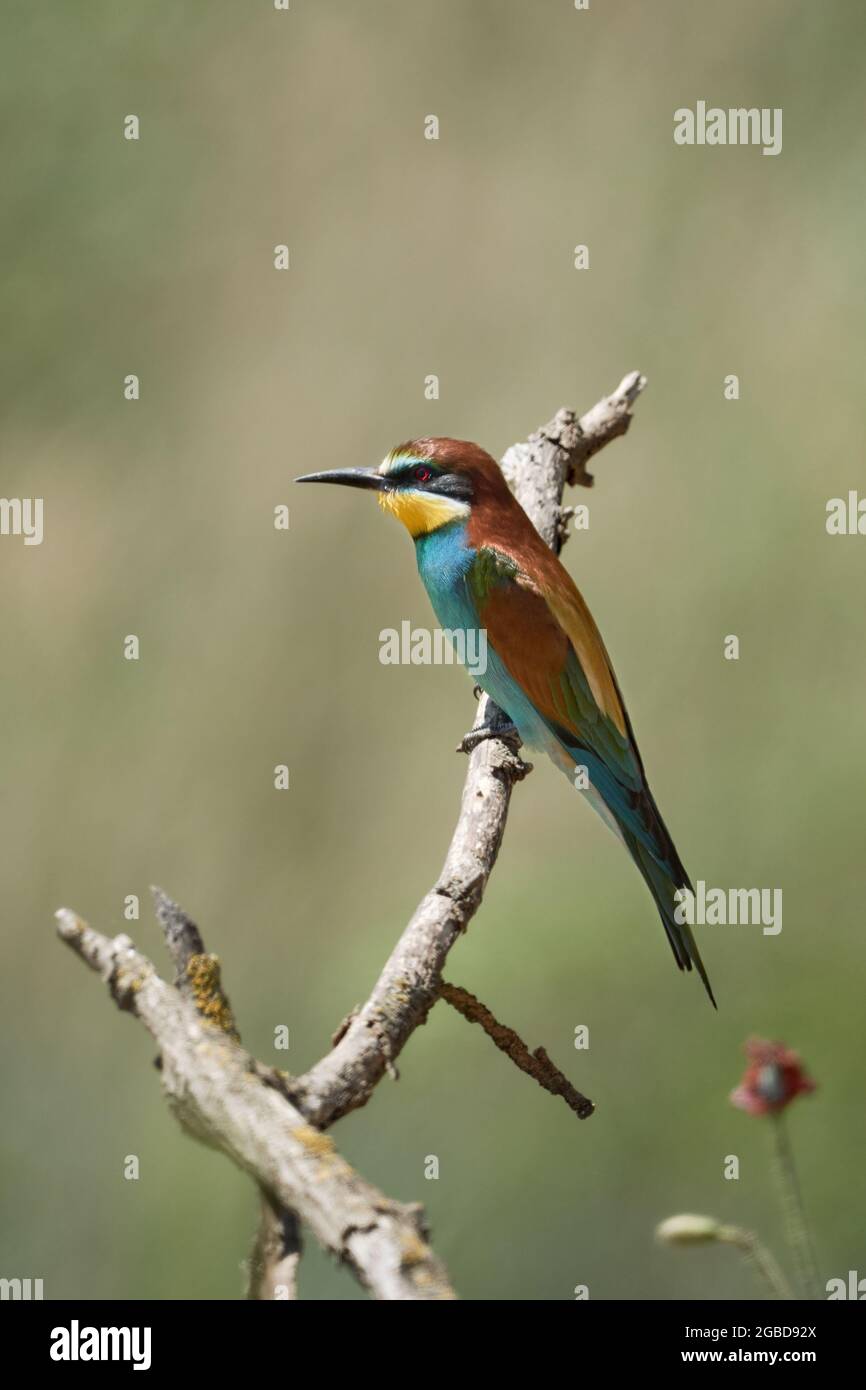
<point x="774" y="1075"/>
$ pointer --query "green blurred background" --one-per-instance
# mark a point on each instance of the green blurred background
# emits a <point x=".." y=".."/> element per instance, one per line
<point x="411" y="257"/>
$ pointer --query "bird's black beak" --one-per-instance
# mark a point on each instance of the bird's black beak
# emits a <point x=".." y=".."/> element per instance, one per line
<point x="352" y="477"/>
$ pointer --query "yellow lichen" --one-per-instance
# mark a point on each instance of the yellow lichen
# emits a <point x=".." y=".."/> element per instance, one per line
<point x="203" y="973"/>
<point x="413" y="1251"/>
<point x="313" y="1140"/>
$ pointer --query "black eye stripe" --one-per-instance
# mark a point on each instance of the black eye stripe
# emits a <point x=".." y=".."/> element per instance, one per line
<point x="409" y="472"/>
<point x="456" y="485"/>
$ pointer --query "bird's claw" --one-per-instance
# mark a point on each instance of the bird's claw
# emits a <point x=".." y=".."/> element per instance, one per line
<point x="506" y="732"/>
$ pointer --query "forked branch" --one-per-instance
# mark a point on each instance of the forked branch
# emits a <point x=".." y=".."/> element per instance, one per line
<point x="271" y="1124"/>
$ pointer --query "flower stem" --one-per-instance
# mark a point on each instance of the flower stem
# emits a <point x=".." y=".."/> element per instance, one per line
<point x="762" y="1261"/>
<point x="795" y="1214"/>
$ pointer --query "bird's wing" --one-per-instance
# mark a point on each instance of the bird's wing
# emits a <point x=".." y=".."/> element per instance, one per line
<point x="550" y="645"/>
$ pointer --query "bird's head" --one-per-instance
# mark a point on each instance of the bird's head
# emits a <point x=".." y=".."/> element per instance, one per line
<point x="427" y="483"/>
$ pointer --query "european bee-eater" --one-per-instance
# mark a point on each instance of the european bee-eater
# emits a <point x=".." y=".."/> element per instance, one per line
<point x="485" y="567"/>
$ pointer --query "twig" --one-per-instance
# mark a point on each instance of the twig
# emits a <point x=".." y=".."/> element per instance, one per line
<point x="536" y="1064"/>
<point x="273" y="1261"/>
<point x="538" y="470"/>
<point x="198" y="974"/>
<point x="276" y="1253"/>
<point x="182" y="936"/>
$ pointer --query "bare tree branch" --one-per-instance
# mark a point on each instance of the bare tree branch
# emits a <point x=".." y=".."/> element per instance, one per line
<point x="536" y="1064"/>
<point x="558" y="453"/>
<point x="198" y="974"/>
<point x="409" y="985"/>
<point x="217" y="1095"/>
<point x="269" y="1123"/>
<point x="273" y="1262"/>
<point x="411" y="980"/>
<point x="276" y="1253"/>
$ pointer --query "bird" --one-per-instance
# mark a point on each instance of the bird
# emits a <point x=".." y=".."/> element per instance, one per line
<point x="486" y="569"/>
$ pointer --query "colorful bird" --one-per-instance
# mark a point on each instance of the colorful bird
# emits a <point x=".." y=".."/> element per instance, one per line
<point x="485" y="568"/>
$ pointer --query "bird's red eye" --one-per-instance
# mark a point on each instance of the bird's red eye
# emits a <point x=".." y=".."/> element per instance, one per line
<point x="422" y="474"/>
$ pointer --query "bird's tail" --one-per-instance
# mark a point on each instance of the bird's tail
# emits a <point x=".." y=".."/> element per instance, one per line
<point x="634" y="817"/>
<point x="664" y="875"/>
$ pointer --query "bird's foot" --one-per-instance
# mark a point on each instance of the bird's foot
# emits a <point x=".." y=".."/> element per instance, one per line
<point x="506" y="731"/>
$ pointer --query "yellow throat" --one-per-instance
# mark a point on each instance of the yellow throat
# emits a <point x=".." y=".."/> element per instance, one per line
<point x="421" y="512"/>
